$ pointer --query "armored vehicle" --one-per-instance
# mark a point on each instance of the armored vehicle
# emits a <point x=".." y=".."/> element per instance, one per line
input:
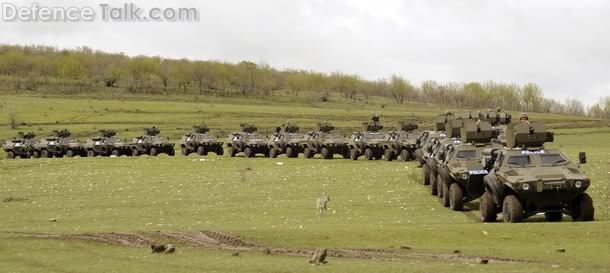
<point x="430" y="169"/>
<point x="200" y="142"/>
<point x="151" y="143"/>
<point x="248" y="141"/>
<point x="461" y="167"/>
<point x="107" y="144"/>
<point x="424" y="147"/>
<point x="442" y="119"/>
<point x="402" y="143"/>
<point x="324" y="142"/>
<point x="527" y="179"/>
<point x="286" y="140"/>
<point x="21" y="146"/>
<point x="58" y="145"/>
<point x="370" y="141"/>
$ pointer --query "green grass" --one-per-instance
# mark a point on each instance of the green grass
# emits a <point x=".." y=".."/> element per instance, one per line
<point x="374" y="204"/>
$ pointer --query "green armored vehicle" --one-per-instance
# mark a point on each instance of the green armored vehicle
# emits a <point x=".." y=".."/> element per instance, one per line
<point x="200" y="142"/>
<point x="369" y="142"/>
<point x="436" y="148"/>
<point x="59" y="145"/>
<point x="461" y="167"/>
<point x="286" y="140"/>
<point x="424" y="147"/>
<point x="324" y="142"/>
<point x="107" y="144"/>
<point x="402" y="143"/>
<point x="527" y="179"/>
<point x="21" y="146"/>
<point x="248" y="141"/>
<point x="151" y="143"/>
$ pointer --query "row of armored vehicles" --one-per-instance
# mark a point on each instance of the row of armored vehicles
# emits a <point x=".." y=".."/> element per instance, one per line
<point x="506" y="166"/>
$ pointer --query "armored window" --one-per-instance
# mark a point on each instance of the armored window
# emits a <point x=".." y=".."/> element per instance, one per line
<point x="466" y="155"/>
<point x="552" y="159"/>
<point x="519" y="160"/>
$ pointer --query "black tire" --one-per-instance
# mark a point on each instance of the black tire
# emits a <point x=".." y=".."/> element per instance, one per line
<point x="220" y="151"/>
<point x="10" y="155"/>
<point x="368" y="154"/>
<point x="153" y="151"/>
<point x="290" y="152"/>
<point x="445" y="190"/>
<point x="185" y="151"/>
<point x="135" y="152"/>
<point x="388" y="155"/>
<point x="201" y="150"/>
<point x="456" y="197"/>
<point x="248" y="152"/>
<point x="308" y="153"/>
<point x="553" y="216"/>
<point x="512" y="210"/>
<point x="115" y="152"/>
<point x="583" y="210"/>
<point x="426" y="175"/>
<point x="433" y="185"/>
<point x="36" y="154"/>
<point x="70" y="153"/>
<point x="45" y="154"/>
<point x="232" y="152"/>
<point x="404" y="155"/>
<point x="171" y="151"/>
<point x="439" y="187"/>
<point x="325" y="153"/>
<point x="273" y="153"/>
<point x="346" y="154"/>
<point x="353" y="154"/>
<point x="90" y="153"/>
<point x="487" y="208"/>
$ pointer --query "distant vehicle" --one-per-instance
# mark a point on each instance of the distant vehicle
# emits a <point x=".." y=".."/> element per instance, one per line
<point x="527" y="179"/>
<point x="403" y="143"/>
<point x="200" y="142"/>
<point x="107" y="144"/>
<point x="59" y="145"/>
<point x="324" y="142"/>
<point x="151" y="143"/>
<point x="286" y="140"/>
<point x="21" y="146"/>
<point x="247" y="141"/>
<point x="370" y="142"/>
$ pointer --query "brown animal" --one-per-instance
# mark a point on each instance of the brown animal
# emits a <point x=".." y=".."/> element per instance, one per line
<point x="319" y="256"/>
<point x="168" y="249"/>
<point x="322" y="203"/>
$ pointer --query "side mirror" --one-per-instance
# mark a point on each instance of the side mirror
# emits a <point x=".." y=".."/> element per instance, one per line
<point x="582" y="157"/>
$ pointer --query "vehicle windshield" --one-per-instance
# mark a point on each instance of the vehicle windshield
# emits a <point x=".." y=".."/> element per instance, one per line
<point x="552" y="159"/>
<point x="519" y="160"/>
<point x="466" y="155"/>
<point x="252" y="137"/>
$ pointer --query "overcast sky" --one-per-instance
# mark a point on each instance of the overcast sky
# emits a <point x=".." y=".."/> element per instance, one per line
<point x="564" y="46"/>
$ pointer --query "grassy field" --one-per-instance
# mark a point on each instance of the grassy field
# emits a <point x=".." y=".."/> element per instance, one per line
<point x="270" y="202"/>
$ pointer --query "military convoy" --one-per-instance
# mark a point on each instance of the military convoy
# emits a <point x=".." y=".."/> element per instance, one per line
<point x="324" y="142"/>
<point x="151" y="143"/>
<point x="59" y="145"/>
<point x="247" y="141"/>
<point x="371" y="142"/>
<point x="286" y="140"/>
<point x="107" y="144"/>
<point x="21" y="146"/>
<point x="200" y="142"/>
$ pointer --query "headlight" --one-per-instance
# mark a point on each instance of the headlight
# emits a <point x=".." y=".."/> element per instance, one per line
<point x="525" y="186"/>
<point x="578" y="184"/>
<point x="464" y="176"/>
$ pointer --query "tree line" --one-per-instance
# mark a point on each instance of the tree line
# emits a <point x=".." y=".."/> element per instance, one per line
<point x="73" y="71"/>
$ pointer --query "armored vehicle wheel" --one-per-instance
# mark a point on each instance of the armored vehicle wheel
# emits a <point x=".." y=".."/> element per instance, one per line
<point x="346" y="154"/>
<point x="232" y="152"/>
<point x="433" y="188"/>
<point x="115" y="152"/>
<point x="368" y="154"/>
<point x="201" y="150"/>
<point x="90" y="153"/>
<point x="135" y="152"/>
<point x="308" y="153"/>
<point x="325" y="153"/>
<point x="553" y="216"/>
<point x="185" y="151"/>
<point x="388" y="155"/>
<point x="273" y="153"/>
<point x="487" y="208"/>
<point x="426" y="174"/>
<point x="44" y="154"/>
<point x="70" y="153"/>
<point x="248" y="152"/>
<point x="220" y="151"/>
<point x="512" y="210"/>
<point x="153" y="151"/>
<point x="10" y="155"/>
<point x="59" y="155"/>
<point x="439" y="187"/>
<point x="456" y="197"/>
<point x="445" y="190"/>
<point x="290" y="152"/>
<point x="36" y="154"/>
<point x="353" y="154"/>
<point x="404" y="155"/>
<point x="583" y="208"/>
<point x="172" y="152"/>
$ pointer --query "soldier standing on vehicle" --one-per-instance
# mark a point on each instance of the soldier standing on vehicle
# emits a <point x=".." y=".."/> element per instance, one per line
<point x="322" y="203"/>
<point x="523" y="118"/>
